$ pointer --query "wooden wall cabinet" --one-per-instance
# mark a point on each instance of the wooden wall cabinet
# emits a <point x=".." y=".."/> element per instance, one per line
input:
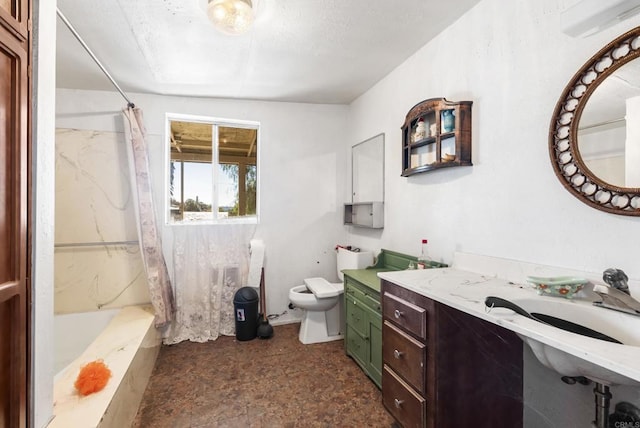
<point x="445" y="368"/>
<point x="436" y="134"/>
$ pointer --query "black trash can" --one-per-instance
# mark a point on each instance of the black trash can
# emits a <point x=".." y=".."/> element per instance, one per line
<point x="245" y="305"/>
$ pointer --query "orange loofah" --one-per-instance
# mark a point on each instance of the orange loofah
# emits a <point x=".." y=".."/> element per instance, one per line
<point x="92" y="378"/>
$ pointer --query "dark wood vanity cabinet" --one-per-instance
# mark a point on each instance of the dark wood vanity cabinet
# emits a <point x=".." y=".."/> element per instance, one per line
<point x="445" y="368"/>
<point x="436" y="134"/>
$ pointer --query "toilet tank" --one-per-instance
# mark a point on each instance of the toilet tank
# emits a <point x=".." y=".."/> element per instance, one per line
<point x="353" y="260"/>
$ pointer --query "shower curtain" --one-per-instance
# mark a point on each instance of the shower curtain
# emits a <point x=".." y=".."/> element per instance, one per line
<point x="150" y="246"/>
<point x="210" y="263"/>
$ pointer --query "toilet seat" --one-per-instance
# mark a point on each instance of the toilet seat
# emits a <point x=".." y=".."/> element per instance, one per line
<point x="322" y="288"/>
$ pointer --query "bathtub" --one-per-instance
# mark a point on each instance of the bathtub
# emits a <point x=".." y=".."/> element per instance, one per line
<point x="73" y="333"/>
<point x="128" y="343"/>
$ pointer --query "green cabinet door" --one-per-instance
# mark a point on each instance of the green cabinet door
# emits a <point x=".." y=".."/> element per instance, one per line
<point x="355" y="342"/>
<point x="356" y="316"/>
<point x="363" y="338"/>
<point x="356" y="347"/>
<point x="375" y="348"/>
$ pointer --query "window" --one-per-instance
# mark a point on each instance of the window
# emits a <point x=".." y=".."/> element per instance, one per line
<point x="213" y="170"/>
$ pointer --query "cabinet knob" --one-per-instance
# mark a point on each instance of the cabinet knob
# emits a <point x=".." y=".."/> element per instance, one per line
<point x="397" y="403"/>
<point x="397" y="314"/>
<point x="397" y="354"/>
<point x="354" y="302"/>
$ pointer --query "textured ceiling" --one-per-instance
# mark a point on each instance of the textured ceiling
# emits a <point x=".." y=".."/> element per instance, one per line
<point x="318" y="51"/>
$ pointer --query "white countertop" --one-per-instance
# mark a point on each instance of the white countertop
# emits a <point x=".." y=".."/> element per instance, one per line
<point x="466" y="291"/>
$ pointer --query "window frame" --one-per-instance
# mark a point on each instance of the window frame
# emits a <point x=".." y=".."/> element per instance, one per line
<point x="216" y="122"/>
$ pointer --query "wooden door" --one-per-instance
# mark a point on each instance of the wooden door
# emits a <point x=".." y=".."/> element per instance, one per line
<point x="14" y="211"/>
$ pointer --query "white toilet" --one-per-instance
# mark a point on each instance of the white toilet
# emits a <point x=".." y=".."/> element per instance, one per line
<point x="321" y="300"/>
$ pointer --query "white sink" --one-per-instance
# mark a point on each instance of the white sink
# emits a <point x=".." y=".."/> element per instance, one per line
<point x="625" y="328"/>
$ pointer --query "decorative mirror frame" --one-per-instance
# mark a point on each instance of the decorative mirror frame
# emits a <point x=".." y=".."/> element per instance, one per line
<point x="563" y="132"/>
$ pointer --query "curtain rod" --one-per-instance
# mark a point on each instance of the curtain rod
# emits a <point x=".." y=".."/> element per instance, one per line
<point x="93" y="56"/>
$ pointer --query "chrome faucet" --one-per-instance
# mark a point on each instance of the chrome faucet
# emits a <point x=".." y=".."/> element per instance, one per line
<point x="617" y="279"/>
<point x="616" y="295"/>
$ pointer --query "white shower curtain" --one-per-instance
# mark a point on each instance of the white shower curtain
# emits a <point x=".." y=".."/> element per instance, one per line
<point x="210" y="263"/>
<point x="150" y="246"/>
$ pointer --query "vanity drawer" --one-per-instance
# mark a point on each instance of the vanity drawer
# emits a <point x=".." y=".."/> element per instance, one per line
<point x="405" y="355"/>
<point x="370" y="298"/>
<point x="405" y="314"/>
<point x="407" y="407"/>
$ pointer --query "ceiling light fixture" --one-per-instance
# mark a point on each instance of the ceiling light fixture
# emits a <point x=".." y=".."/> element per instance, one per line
<point x="231" y="17"/>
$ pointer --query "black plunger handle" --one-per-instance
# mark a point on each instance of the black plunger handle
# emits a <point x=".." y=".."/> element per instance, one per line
<point x="497" y="302"/>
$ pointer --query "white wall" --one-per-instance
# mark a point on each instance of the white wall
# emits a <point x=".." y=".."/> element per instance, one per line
<point x="301" y="172"/>
<point x="43" y="211"/>
<point x="512" y="60"/>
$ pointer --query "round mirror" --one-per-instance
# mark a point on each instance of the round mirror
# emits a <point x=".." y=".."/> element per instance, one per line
<point x="594" y="140"/>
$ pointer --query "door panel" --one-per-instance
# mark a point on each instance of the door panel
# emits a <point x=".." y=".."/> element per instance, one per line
<point x="14" y="17"/>
<point x="375" y="347"/>
<point x="7" y="76"/>
<point x="14" y="110"/>
<point x="356" y="317"/>
<point x="11" y="386"/>
<point x="357" y="347"/>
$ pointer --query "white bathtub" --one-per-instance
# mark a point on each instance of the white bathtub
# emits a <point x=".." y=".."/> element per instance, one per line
<point x="127" y="342"/>
<point x="73" y="333"/>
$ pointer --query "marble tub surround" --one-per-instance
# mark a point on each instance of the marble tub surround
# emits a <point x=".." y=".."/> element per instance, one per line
<point x="466" y="291"/>
<point x="129" y="346"/>
<point x="94" y="204"/>
<point x="88" y="279"/>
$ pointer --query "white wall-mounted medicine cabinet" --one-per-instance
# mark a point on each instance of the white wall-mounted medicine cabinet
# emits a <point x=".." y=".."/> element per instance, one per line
<point x="364" y="214"/>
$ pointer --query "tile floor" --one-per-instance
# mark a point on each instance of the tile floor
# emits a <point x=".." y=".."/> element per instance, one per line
<point x="275" y="382"/>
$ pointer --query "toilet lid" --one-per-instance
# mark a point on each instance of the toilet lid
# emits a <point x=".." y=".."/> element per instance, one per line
<point x="321" y="288"/>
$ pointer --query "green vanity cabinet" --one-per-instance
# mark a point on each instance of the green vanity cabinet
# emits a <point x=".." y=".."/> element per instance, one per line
<point x="363" y="338"/>
<point x="363" y="311"/>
